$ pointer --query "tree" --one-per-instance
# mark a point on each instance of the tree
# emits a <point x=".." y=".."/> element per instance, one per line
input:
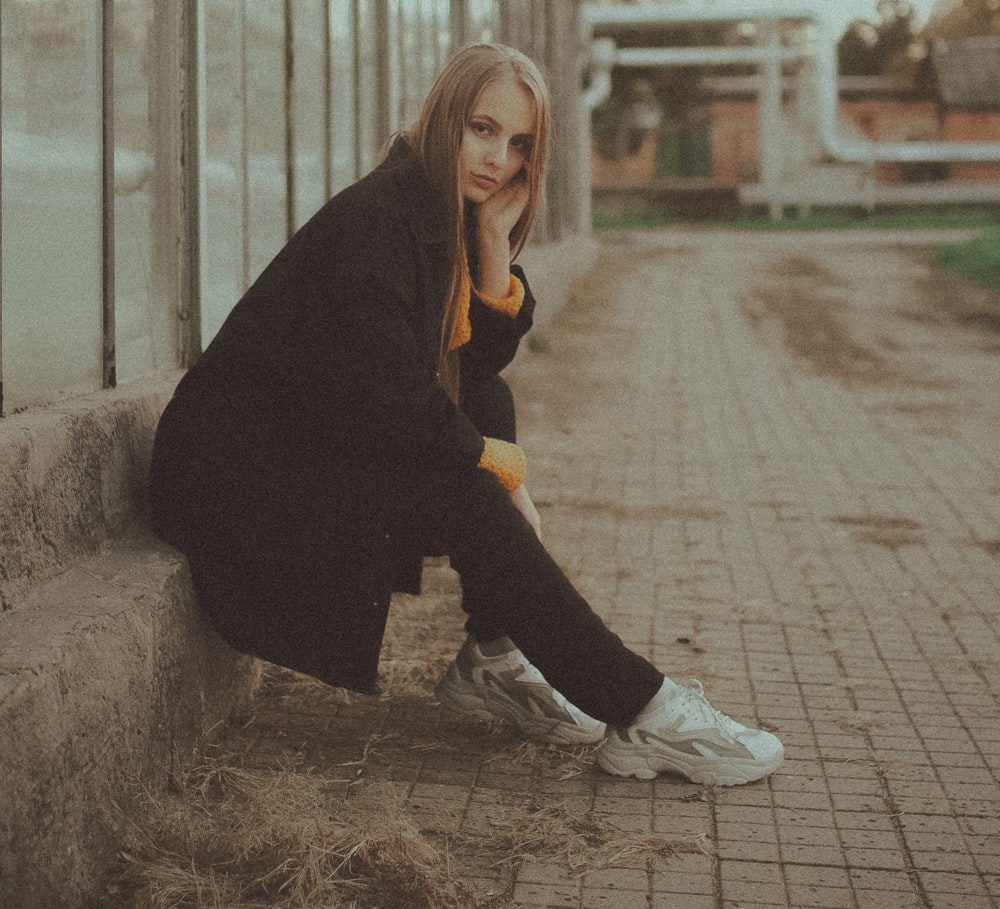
<point x="870" y="50"/>
<point x="968" y="19"/>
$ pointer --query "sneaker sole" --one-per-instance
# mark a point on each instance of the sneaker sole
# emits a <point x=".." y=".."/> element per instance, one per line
<point x="647" y="764"/>
<point x="485" y="704"/>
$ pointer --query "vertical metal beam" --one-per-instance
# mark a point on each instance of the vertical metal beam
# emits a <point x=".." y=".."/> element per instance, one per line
<point x="108" y="371"/>
<point x="406" y="70"/>
<point x="459" y="24"/>
<point x="192" y="183"/>
<point x="383" y="80"/>
<point x="327" y="100"/>
<point x="289" y="120"/>
<point x="1" y="230"/>
<point x="356" y="83"/>
<point x="243" y="115"/>
<point x="769" y="104"/>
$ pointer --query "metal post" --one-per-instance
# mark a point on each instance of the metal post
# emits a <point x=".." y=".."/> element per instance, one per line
<point x="327" y="101"/>
<point x="356" y="84"/>
<point x="769" y="101"/>
<point x="108" y="371"/>
<point x="244" y="134"/>
<point x="289" y="121"/>
<point x="192" y="182"/>
<point x="1" y="232"/>
<point x="383" y="80"/>
<point x="459" y="23"/>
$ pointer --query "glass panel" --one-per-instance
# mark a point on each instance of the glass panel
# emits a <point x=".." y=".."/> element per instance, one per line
<point x="342" y="131"/>
<point x="223" y="278"/>
<point x="424" y="46"/>
<point x="265" y="59"/>
<point x="134" y="322"/>
<point x="481" y="15"/>
<point x="310" y="115"/>
<point x="416" y="57"/>
<point x="51" y="199"/>
<point x="366" y="85"/>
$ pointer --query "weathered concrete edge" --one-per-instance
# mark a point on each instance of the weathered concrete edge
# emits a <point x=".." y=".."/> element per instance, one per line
<point x="73" y="476"/>
<point x="108" y="675"/>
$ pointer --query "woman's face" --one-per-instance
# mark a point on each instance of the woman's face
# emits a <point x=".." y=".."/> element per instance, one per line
<point x="497" y="139"/>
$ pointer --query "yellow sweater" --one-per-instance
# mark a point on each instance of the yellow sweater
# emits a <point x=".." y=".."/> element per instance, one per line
<point x="504" y="460"/>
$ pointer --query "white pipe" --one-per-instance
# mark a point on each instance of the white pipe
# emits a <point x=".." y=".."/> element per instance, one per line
<point x="827" y="99"/>
<point x="602" y="60"/>
<point x="706" y="56"/>
<point x="595" y="14"/>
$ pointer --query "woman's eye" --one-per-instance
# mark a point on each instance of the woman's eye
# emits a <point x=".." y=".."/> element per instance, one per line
<point x="522" y="144"/>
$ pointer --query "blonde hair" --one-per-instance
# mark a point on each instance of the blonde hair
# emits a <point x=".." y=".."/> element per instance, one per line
<point x="436" y="138"/>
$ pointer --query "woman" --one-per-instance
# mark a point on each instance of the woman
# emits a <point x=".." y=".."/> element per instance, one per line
<point x="349" y="419"/>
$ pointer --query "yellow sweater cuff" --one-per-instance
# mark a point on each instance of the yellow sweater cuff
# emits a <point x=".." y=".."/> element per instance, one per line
<point x="509" y="305"/>
<point x="505" y="461"/>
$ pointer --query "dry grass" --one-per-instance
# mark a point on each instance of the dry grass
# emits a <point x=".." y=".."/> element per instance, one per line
<point x="306" y="805"/>
<point x="228" y="837"/>
<point x="581" y="841"/>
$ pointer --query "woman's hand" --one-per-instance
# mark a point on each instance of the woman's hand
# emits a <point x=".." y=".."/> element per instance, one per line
<point x="524" y="504"/>
<point x="499" y="213"/>
<point x="495" y="220"/>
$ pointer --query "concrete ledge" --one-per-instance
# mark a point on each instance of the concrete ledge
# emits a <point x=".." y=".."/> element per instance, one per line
<point x="107" y="677"/>
<point x="73" y="476"/>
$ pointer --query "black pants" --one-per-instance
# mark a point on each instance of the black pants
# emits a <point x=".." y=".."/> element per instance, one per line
<point x="512" y="586"/>
<point x="281" y="552"/>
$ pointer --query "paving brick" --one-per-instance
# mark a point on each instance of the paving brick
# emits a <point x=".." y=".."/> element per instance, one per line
<point x="614" y="899"/>
<point x="805" y="896"/>
<point x="690" y="901"/>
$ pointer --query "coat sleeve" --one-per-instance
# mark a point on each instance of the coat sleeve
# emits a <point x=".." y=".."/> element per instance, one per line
<point x="363" y="371"/>
<point x="496" y="336"/>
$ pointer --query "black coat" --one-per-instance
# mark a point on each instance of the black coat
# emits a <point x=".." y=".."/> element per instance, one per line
<point x="274" y="463"/>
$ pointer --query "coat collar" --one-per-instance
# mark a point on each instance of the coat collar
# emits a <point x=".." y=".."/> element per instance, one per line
<point x="412" y="194"/>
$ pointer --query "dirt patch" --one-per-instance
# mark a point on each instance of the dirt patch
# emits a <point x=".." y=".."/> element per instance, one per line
<point x="990" y="546"/>
<point x="802" y="267"/>
<point x="882" y="530"/>
<point x="815" y="328"/>
<point x="945" y="299"/>
<point x="842" y="325"/>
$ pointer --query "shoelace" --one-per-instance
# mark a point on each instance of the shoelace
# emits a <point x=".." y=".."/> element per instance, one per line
<point x="693" y="698"/>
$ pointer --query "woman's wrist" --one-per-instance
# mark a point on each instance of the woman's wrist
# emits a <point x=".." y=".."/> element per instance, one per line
<point x="494" y="267"/>
<point x="510" y="302"/>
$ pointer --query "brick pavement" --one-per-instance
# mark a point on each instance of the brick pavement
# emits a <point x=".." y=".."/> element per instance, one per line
<point x="804" y="512"/>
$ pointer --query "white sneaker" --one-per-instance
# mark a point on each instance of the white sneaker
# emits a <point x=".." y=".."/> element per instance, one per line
<point x="680" y="732"/>
<point x="508" y="687"/>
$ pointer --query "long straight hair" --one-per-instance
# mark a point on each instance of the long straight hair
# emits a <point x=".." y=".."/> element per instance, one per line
<point x="436" y="138"/>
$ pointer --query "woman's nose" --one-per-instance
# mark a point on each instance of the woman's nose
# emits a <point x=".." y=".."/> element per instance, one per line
<point x="497" y="153"/>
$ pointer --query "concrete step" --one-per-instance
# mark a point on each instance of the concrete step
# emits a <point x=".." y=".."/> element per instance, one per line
<point x="108" y="675"/>
<point x="108" y="678"/>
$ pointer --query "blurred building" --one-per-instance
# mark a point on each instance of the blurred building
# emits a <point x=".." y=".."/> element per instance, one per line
<point x="734" y="133"/>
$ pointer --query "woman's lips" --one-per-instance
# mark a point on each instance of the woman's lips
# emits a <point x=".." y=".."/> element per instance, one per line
<point x="484" y="182"/>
